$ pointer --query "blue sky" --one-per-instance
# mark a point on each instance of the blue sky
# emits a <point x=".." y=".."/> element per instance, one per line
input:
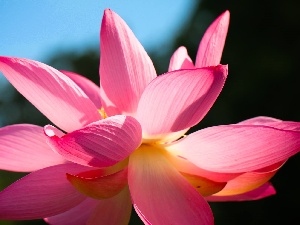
<point x="35" y="29"/>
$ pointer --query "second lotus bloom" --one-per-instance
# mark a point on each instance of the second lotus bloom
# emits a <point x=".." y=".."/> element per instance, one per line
<point x="123" y="143"/>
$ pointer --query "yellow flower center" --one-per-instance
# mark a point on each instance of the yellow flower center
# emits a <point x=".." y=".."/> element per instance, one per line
<point x="102" y="113"/>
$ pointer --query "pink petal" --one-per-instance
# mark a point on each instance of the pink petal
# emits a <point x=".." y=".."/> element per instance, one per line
<point x="53" y="93"/>
<point x="99" y="144"/>
<point x="78" y="215"/>
<point x="125" y="67"/>
<point x="259" y="120"/>
<point x="179" y="99"/>
<point x="113" y="211"/>
<point x="185" y="166"/>
<point x="237" y="148"/>
<point x="180" y="60"/>
<point x="249" y="181"/>
<point x="204" y="186"/>
<point x="212" y="44"/>
<point x="24" y="148"/>
<point x="89" y="88"/>
<point x="160" y="194"/>
<point x="42" y="193"/>
<point x="263" y="191"/>
<point x="272" y="122"/>
<point x="99" y="187"/>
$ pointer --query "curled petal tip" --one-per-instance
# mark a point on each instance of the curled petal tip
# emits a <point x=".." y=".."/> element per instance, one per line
<point x="224" y="18"/>
<point x="107" y="16"/>
<point x="225" y="14"/>
<point x="107" y="10"/>
<point x="222" y="68"/>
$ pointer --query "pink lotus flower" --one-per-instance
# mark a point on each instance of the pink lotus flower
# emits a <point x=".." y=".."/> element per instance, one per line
<point x="123" y="145"/>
